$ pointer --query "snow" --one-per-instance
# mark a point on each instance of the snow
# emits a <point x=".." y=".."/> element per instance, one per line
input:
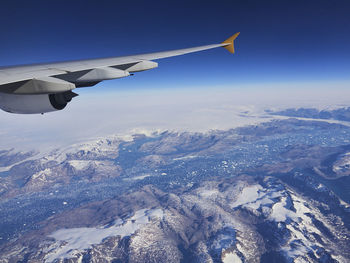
<point x="80" y="165"/>
<point x="255" y="196"/>
<point x="301" y="242"/>
<point x="231" y="258"/>
<point x="342" y="166"/>
<point x="185" y="157"/>
<point x="41" y="175"/>
<point x="69" y="241"/>
<point x="298" y="250"/>
<point x="13" y="151"/>
<point x="249" y="194"/>
<point x="107" y="146"/>
<point x="274" y="203"/>
<point x="140" y="177"/>
<point x="258" y="203"/>
<point x="344" y="204"/>
<point x="280" y="213"/>
<point x="207" y="193"/>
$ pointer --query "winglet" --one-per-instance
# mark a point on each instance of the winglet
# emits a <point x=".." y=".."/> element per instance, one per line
<point x="229" y="43"/>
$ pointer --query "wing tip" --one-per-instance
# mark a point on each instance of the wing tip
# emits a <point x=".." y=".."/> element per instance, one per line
<point x="228" y="43"/>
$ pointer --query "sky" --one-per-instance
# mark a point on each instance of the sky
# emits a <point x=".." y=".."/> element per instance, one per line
<point x="280" y="41"/>
<point x="283" y="45"/>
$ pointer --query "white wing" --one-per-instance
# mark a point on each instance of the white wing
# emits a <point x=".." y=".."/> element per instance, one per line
<point x="62" y="77"/>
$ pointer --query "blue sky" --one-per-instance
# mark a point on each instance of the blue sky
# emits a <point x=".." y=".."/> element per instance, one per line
<point x="289" y="54"/>
<point x="281" y="41"/>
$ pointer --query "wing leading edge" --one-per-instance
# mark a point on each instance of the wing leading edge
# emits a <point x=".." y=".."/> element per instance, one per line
<point x="29" y="72"/>
<point x="57" y="80"/>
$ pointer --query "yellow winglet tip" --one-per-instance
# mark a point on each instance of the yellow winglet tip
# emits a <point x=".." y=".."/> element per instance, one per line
<point x="229" y="43"/>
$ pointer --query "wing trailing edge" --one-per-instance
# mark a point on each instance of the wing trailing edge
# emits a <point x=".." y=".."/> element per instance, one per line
<point x="40" y="88"/>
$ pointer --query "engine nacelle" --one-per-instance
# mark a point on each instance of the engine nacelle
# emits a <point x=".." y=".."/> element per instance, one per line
<point x="33" y="104"/>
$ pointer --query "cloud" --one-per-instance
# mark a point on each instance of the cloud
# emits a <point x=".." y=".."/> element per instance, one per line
<point x="99" y="113"/>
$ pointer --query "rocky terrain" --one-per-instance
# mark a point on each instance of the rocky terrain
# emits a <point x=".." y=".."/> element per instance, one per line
<point x="275" y="192"/>
<point x="341" y="114"/>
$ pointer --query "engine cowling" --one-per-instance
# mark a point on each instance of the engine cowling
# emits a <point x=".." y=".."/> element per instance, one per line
<point x="33" y="104"/>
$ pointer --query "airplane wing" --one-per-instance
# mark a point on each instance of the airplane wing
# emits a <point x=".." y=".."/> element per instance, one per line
<point x="48" y="87"/>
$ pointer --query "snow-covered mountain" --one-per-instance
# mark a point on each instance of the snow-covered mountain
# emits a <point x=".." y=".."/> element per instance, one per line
<point x="240" y="219"/>
<point x="273" y="192"/>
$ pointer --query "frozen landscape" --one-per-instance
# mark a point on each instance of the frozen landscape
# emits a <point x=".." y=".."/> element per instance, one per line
<point x="274" y="191"/>
<point x="144" y="150"/>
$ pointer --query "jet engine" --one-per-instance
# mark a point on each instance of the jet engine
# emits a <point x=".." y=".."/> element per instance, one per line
<point x="38" y="103"/>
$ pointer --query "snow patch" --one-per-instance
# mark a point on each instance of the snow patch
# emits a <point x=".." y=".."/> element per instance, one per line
<point x="231" y="258"/>
<point x="208" y="193"/>
<point x="140" y="177"/>
<point x="248" y="195"/>
<point x="72" y="240"/>
<point x="185" y="158"/>
<point x="80" y="165"/>
<point x="41" y="175"/>
<point x="280" y="213"/>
